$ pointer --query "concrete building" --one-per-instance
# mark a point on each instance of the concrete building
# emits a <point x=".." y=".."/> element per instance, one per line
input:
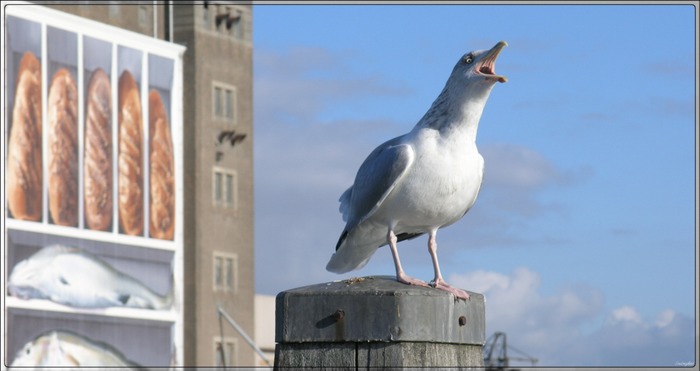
<point x="218" y="163"/>
<point x="265" y="327"/>
<point x="218" y="210"/>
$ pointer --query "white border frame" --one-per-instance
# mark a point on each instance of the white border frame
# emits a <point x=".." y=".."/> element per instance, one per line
<point x="148" y="45"/>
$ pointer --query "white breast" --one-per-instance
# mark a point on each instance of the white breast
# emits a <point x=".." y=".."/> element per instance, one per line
<point x="441" y="186"/>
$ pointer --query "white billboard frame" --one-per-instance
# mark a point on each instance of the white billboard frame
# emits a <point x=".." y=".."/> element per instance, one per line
<point x="110" y="242"/>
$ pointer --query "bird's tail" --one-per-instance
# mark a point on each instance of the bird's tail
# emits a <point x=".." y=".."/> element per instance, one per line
<point x="355" y="248"/>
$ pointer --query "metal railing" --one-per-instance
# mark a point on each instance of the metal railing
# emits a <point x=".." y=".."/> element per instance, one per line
<point x="229" y="319"/>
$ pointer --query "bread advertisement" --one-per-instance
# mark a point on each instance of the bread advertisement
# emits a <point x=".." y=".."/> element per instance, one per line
<point x="24" y="155"/>
<point x="100" y="156"/>
<point x="162" y="161"/>
<point x="92" y="155"/>
<point x="162" y="181"/>
<point x="98" y="152"/>
<point x="130" y="156"/>
<point x="24" y="166"/>
<point x="62" y="132"/>
<point x="98" y="173"/>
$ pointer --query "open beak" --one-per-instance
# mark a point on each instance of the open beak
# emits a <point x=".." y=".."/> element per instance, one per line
<point x="487" y="65"/>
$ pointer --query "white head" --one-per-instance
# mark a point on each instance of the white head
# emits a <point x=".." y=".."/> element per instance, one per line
<point x="475" y="72"/>
<point x="464" y="96"/>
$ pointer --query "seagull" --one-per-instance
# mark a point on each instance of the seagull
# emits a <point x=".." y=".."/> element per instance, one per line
<point x="421" y="181"/>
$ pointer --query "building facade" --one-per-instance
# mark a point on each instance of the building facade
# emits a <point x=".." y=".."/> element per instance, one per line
<point x="219" y="181"/>
<point x="217" y="165"/>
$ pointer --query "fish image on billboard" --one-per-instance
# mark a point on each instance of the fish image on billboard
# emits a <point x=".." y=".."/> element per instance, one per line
<point x="74" y="277"/>
<point x="68" y="349"/>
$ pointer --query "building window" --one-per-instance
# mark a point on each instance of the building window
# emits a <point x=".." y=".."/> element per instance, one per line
<point x="205" y="16"/>
<point x="143" y="15"/>
<point x="114" y="9"/>
<point x="225" y="272"/>
<point x="225" y="188"/>
<point x="228" y="103"/>
<point x="224" y="352"/>
<point x="217" y="101"/>
<point x="224" y="102"/>
<point x="235" y="25"/>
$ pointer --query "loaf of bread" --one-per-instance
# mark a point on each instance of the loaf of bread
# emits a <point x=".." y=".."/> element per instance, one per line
<point x="97" y="161"/>
<point x="162" y="170"/>
<point x="62" y="156"/>
<point x="130" y="156"/>
<point x="24" y="172"/>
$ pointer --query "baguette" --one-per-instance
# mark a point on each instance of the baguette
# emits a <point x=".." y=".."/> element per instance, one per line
<point x="97" y="164"/>
<point x="24" y="163"/>
<point x="62" y="156"/>
<point x="162" y="182"/>
<point x="130" y="157"/>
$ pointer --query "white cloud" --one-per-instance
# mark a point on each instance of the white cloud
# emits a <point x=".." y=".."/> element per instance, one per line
<point x="625" y="314"/>
<point x="514" y="301"/>
<point x="516" y="166"/>
<point x="627" y="339"/>
<point x="549" y="327"/>
<point x="665" y="318"/>
<point x="515" y="176"/>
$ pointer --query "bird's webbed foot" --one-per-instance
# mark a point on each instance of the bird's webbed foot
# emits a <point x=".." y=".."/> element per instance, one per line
<point x="404" y="278"/>
<point x="442" y="285"/>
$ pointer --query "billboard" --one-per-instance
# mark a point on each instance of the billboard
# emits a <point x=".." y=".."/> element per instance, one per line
<point x="92" y="202"/>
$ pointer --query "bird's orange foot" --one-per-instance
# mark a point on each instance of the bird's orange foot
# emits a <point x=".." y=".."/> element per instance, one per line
<point x="458" y="293"/>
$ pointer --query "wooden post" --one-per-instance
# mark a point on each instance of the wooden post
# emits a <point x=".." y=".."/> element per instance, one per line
<point x="373" y="322"/>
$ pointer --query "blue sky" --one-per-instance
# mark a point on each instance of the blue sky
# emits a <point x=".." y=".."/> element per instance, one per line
<point x="585" y="221"/>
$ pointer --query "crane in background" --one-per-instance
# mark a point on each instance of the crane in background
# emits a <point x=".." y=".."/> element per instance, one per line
<point x="496" y="355"/>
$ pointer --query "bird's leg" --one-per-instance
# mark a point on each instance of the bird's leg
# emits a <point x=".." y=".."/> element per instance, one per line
<point x="439" y="282"/>
<point x="401" y="276"/>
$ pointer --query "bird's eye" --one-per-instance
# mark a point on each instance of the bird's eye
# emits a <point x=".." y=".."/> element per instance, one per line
<point x="468" y="59"/>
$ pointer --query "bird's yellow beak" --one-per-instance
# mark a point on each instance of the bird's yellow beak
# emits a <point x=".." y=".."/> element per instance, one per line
<point x="487" y="64"/>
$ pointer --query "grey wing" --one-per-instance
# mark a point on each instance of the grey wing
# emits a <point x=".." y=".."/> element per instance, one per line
<point x="345" y="203"/>
<point x="376" y="178"/>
